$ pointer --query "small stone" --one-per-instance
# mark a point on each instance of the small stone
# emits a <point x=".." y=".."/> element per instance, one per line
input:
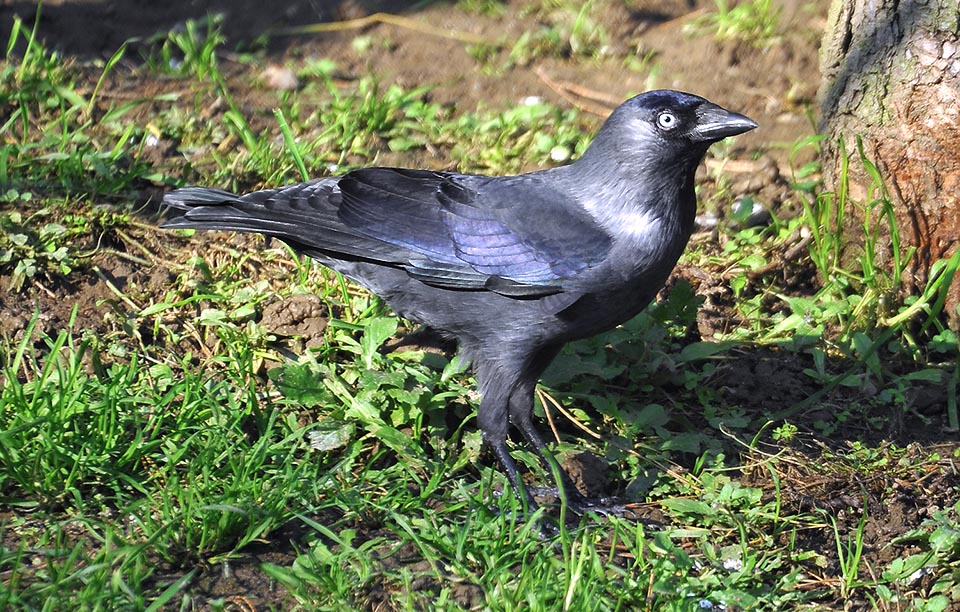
<point x="926" y="60"/>
<point x="280" y="78"/>
<point x="559" y="154"/>
<point x="928" y="46"/>
<point x="927" y="51"/>
<point x="949" y="49"/>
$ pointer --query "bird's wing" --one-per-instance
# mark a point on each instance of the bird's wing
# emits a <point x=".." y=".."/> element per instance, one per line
<point x="512" y="235"/>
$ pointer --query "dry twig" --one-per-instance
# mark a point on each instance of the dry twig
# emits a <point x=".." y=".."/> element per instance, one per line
<point x="387" y="18"/>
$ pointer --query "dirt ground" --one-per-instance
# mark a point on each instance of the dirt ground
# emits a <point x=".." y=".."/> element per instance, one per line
<point x="775" y="86"/>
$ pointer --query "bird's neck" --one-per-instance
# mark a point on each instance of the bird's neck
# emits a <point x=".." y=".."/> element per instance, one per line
<point x="639" y="202"/>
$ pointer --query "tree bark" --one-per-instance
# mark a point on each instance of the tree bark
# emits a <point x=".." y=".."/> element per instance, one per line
<point x="891" y="75"/>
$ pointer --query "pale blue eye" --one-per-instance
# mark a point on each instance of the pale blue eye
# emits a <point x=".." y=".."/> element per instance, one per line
<point x="667" y="120"/>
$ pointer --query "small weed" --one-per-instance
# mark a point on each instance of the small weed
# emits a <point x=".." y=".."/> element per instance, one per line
<point x="49" y="243"/>
<point x="752" y="21"/>
<point x="868" y="295"/>
<point x="34" y="248"/>
<point x="567" y="30"/>
<point x="871" y="287"/>
<point x="189" y="50"/>
<point x="356" y="121"/>
<point x="938" y="538"/>
<point x="849" y="555"/>
<point x="490" y="8"/>
<point x="485" y="54"/>
<point x="512" y="140"/>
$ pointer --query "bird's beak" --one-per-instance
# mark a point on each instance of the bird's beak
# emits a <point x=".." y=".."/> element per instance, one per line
<point x="716" y="123"/>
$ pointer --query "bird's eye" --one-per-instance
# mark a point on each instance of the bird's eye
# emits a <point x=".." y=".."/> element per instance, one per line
<point x="667" y="120"/>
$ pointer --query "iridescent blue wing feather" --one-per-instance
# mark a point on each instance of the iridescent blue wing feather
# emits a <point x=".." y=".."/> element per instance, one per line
<point x="471" y="231"/>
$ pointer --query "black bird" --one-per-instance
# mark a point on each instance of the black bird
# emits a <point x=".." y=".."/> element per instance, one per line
<point x="513" y="267"/>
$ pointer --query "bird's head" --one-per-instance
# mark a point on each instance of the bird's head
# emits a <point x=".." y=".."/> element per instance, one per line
<point x="664" y="128"/>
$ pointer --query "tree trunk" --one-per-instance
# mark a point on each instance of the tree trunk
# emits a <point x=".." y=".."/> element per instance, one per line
<point x="891" y="75"/>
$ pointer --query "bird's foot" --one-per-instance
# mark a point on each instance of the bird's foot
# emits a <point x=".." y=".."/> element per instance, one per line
<point x="604" y="506"/>
<point x="545" y="526"/>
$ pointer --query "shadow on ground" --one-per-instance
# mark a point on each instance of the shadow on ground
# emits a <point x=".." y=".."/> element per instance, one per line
<point x="91" y="29"/>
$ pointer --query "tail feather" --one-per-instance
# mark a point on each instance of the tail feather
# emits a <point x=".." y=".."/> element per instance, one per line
<point x="268" y="212"/>
<point x="304" y="224"/>
<point x="191" y="197"/>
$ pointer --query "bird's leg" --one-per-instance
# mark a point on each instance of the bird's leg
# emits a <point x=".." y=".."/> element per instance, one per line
<point x="509" y="467"/>
<point x="520" y="407"/>
<point x="493" y="419"/>
<point x="507" y="398"/>
<point x="521" y="415"/>
<point x="576" y="501"/>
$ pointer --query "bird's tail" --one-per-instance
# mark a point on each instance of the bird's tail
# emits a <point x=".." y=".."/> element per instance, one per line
<point x="301" y="215"/>
<point x="191" y="197"/>
<point x="215" y="209"/>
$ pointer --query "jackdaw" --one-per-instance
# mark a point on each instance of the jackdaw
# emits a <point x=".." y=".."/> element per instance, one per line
<point x="512" y="267"/>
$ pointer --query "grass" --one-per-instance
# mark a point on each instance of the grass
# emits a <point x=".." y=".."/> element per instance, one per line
<point x="753" y="21"/>
<point x="172" y="436"/>
<point x="566" y="29"/>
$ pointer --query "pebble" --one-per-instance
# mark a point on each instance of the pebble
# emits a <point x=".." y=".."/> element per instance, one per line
<point x="279" y="78"/>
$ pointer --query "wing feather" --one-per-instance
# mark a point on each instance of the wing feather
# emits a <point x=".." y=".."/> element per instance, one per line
<point x="512" y="235"/>
<point x="504" y="227"/>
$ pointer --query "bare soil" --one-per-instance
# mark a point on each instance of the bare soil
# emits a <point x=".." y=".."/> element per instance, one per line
<point x="774" y="85"/>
